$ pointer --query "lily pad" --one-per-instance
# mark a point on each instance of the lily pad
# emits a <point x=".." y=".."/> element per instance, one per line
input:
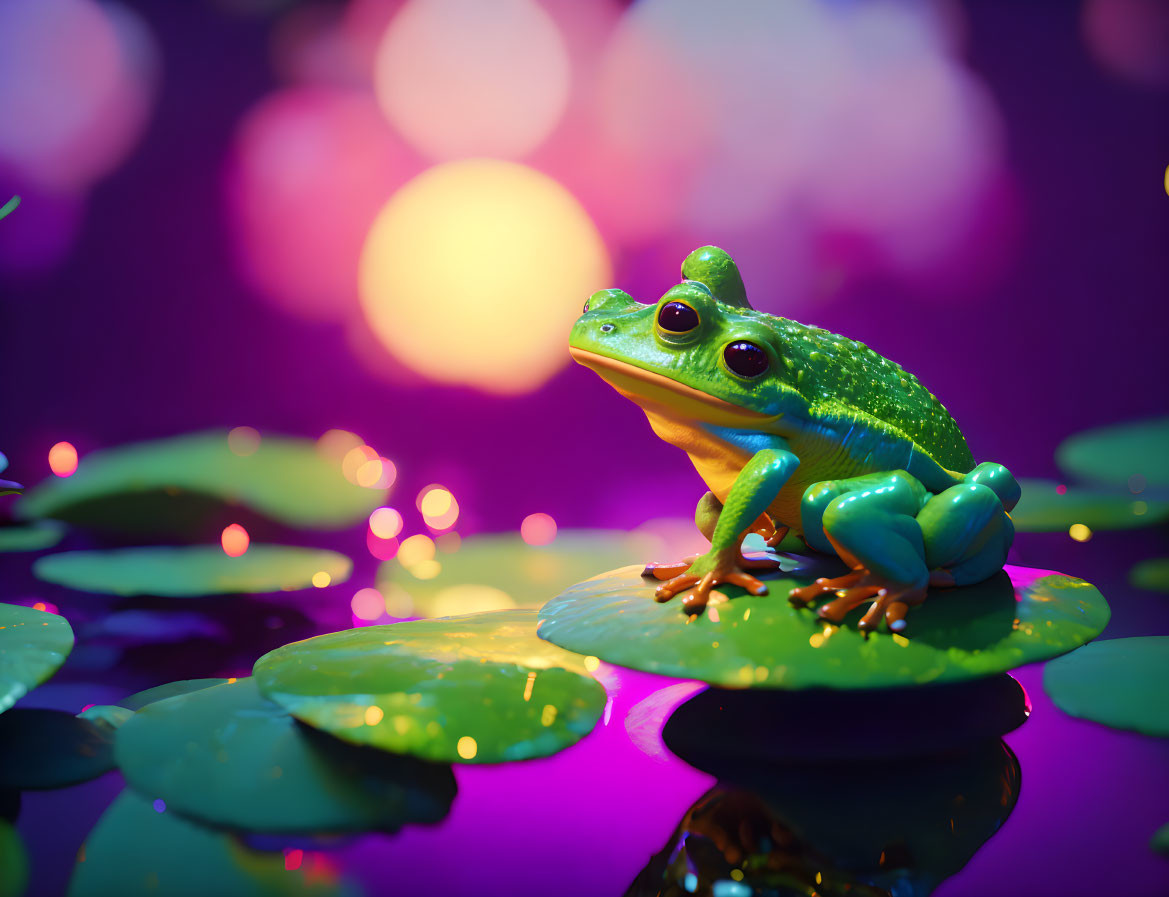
<point x="35" y="536"/>
<point x="169" y="690"/>
<point x="13" y="861"/>
<point x="1152" y="574"/>
<point x="498" y="572"/>
<point x="1119" y="453"/>
<point x="190" y="571"/>
<point x="136" y="850"/>
<point x="1042" y="509"/>
<point x="228" y="756"/>
<point x="170" y="484"/>
<point x="763" y="642"/>
<point x="33" y="644"/>
<point x="720" y="725"/>
<point x="1118" y="682"/>
<point x="479" y="688"/>
<point x="42" y="749"/>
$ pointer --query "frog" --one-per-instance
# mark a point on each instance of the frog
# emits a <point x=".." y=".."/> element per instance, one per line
<point x="804" y="434"/>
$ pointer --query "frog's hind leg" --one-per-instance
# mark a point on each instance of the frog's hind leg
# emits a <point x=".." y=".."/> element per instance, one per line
<point x="966" y="532"/>
<point x="705" y="518"/>
<point x="869" y="522"/>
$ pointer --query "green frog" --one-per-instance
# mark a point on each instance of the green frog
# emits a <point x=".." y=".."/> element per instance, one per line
<point x="798" y="430"/>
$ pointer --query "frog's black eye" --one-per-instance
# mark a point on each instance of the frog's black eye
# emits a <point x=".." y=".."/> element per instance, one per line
<point x="585" y="311"/>
<point x="677" y="317"/>
<point x="746" y="359"/>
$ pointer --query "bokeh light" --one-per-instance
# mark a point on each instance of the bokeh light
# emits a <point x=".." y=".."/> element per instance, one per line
<point x="1080" y="532"/>
<point x="321" y="579"/>
<point x="76" y="83"/>
<point x="1129" y="38"/>
<point x="367" y="604"/>
<point x="438" y="507"/>
<point x="310" y="169"/>
<point x="385" y="523"/>
<point x="538" y="529"/>
<point x="336" y="444"/>
<point x="467" y="78"/>
<point x="415" y="550"/>
<point x="243" y="441"/>
<point x="63" y="459"/>
<point x="235" y="540"/>
<point x="474" y="272"/>
<point x="382" y="549"/>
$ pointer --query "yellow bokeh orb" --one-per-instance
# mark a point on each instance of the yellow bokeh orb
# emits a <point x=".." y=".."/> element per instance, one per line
<point x="473" y="273"/>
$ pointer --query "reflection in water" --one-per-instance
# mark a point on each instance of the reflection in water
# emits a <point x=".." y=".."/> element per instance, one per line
<point x="861" y="827"/>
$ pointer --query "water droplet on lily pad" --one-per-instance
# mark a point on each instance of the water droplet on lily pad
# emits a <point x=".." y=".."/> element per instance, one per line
<point x="174" y="485"/>
<point x="134" y="851"/>
<point x="1152" y="574"/>
<point x="52" y="749"/>
<point x="1118" y="682"/>
<point x="763" y="642"/>
<point x="497" y="572"/>
<point x="1116" y="454"/>
<point x="1043" y="509"/>
<point x="33" y="644"/>
<point x="190" y="571"/>
<point x="436" y="683"/>
<point x="228" y="756"/>
<point x="35" y="536"/>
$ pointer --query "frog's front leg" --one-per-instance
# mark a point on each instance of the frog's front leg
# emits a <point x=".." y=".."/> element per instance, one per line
<point x="753" y="491"/>
<point x="706" y="519"/>
<point x="869" y="522"/>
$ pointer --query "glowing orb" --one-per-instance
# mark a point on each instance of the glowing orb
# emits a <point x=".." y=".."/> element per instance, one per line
<point x="367" y="604"/>
<point x="321" y="579"/>
<point x="416" y="550"/>
<point x="538" y="529"/>
<point x="382" y="549"/>
<point x="335" y="444"/>
<point x="243" y="441"/>
<point x="63" y="459"/>
<point x="234" y="540"/>
<point x="1079" y="532"/>
<point x="438" y="507"/>
<point x="467" y="747"/>
<point x="474" y="272"/>
<point x="385" y="523"/>
<point x="467" y="78"/>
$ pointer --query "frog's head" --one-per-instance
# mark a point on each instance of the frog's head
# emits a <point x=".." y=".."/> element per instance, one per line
<point x="700" y="353"/>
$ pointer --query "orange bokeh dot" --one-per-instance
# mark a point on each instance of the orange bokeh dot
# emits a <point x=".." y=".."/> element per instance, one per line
<point x="235" y="540"/>
<point x="538" y="529"/>
<point x="63" y="459"/>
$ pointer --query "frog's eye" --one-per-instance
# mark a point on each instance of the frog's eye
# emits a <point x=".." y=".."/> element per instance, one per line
<point x="677" y="317"/>
<point x="746" y="359"/>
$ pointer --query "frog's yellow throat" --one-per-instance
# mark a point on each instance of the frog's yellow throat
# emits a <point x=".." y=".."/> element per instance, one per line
<point x="660" y="395"/>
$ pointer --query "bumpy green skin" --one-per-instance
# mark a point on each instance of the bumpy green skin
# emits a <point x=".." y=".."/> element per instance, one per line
<point x="836" y="442"/>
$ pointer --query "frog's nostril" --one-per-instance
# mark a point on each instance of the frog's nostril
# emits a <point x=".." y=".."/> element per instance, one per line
<point x="605" y="328"/>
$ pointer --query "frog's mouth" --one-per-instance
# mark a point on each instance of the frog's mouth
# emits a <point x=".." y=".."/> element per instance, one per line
<point x="657" y="392"/>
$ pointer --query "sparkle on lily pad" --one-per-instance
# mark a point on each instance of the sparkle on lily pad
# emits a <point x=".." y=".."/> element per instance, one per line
<point x="1118" y="682"/>
<point x="1132" y="454"/>
<point x="1043" y="508"/>
<point x="52" y="749"/>
<point x="479" y="688"/>
<point x="228" y="756"/>
<point x="33" y="644"/>
<point x="168" y="485"/>
<point x="35" y="536"/>
<point x="134" y="851"/>
<point x="1013" y="618"/>
<point x="190" y="571"/>
<point x="1152" y="574"/>
<point x="498" y="572"/>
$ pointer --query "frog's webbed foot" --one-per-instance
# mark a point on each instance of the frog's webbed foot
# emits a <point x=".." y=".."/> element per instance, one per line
<point x="699" y="587"/>
<point x="890" y="600"/>
<point x="667" y="572"/>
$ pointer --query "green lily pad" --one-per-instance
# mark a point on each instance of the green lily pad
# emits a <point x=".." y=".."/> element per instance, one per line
<point x="13" y="861"/>
<point x="1117" y="454"/>
<point x="137" y="851"/>
<point x="498" y="572"/>
<point x="35" y="536"/>
<point x="41" y="749"/>
<point x="169" y="690"/>
<point x="167" y="485"/>
<point x="33" y="644"/>
<point x="1152" y="574"/>
<point x="480" y="688"/>
<point x="1159" y="843"/>
<point x="1042" y="509"/>
<point x="764" y="642"/>
<point x="190" y="571"/>
<point x="228" y="756"/>
<point x="1118" y="682"/>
